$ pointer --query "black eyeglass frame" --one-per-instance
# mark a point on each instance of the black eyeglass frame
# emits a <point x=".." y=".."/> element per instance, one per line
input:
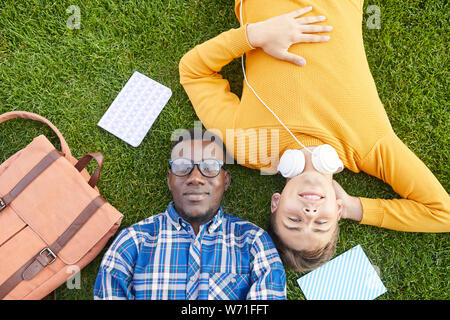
<point x="196" y="163"/>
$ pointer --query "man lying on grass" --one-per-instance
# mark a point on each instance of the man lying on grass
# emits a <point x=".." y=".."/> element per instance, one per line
<point x="330" y="100"/>
<point x="193" y="250"/>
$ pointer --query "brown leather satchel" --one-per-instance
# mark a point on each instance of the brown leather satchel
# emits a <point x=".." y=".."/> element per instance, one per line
<point x="52" y="216"/>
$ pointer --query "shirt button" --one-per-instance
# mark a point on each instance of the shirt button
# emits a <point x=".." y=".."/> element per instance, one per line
<point x="233" y="280"/>
<point x="192" y="279"/>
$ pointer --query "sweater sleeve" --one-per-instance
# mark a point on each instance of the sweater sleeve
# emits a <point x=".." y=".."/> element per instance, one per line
<point x="425" y="205"/>
<point x="359" y="4"/>
<point x="209" y="93"/>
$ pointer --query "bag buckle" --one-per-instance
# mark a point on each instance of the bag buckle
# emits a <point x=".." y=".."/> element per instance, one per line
<point x="49" y="253"/>
<point x="2" y="204"/>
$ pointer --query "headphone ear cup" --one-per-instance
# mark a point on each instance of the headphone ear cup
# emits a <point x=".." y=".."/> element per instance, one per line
<point x="326" y="160"/>
<point x="292" y="163"/>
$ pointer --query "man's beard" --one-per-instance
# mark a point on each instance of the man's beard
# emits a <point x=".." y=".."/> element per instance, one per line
<point x="200" y="219"/>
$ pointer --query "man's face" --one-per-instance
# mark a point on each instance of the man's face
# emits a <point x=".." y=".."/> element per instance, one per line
<point x="197" y="198"/>
<point x="306" y="212"/>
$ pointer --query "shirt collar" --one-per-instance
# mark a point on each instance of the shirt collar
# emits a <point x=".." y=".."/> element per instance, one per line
<point x="175" y="219"/>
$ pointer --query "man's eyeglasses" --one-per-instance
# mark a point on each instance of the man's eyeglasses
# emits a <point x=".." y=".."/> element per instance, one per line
<point x="209" y="168"/>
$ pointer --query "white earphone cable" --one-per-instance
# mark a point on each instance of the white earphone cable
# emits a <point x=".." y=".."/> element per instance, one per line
<point x="248" y="84"/>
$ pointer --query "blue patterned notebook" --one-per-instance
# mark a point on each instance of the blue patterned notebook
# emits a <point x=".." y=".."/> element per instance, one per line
<point x="135" y="108"/>
<point x="349" y="276"/>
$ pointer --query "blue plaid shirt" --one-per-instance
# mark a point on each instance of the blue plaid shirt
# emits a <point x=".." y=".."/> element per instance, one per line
<point x="162" y="258"/>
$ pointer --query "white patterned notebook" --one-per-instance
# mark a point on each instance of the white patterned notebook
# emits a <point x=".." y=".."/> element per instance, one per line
<point x="135" y="109"/>
<point x="349" y="276"/>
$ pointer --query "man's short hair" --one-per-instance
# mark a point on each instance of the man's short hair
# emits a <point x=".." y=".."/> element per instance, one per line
<point x="303" y="260"/>
<point x="206" y="135"/>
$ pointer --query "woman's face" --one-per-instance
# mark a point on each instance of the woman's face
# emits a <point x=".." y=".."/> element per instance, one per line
<point x="307" y="211"/>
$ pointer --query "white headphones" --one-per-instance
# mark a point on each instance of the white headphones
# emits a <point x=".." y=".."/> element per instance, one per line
<point x="324" y="158"/>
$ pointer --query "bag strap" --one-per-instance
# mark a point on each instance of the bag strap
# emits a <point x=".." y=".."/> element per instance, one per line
<point x="44" y="164"/>
<point x="83" y="162"/>
<point x="29" y="177"/>
<point x="33" y="116"/>
<point x="48" y="255"/>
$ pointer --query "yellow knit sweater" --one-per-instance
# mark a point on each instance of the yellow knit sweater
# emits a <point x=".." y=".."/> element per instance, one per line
<point x="333" y="99"/>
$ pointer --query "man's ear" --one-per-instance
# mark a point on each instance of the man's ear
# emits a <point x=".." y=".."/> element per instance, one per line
<point x="168" y="182"/>
<point x="274" y="202"/>
<point x="340" y="205"/>
<point x="227" y="179"/>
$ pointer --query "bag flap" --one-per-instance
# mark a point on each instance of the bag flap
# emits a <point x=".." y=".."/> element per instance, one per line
<point x="54" y="200"/>
<point x="10" y="224"/>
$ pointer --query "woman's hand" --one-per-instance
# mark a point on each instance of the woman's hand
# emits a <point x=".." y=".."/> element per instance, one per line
<point x="352" y="207"/>
<point x="276" y="35"/>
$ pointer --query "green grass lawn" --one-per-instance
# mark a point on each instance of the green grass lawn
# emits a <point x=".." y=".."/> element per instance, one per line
<point x="72" y="76"/>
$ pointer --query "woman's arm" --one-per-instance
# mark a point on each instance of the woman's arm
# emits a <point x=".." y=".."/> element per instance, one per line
<point x="209" y="93"/>
<point x="199" y="69"/>
<point x="425" y="205"/>
<point x="352" y="207"/>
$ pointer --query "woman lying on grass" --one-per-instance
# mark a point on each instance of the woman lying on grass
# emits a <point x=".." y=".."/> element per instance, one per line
<point x="328" y="99"/>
